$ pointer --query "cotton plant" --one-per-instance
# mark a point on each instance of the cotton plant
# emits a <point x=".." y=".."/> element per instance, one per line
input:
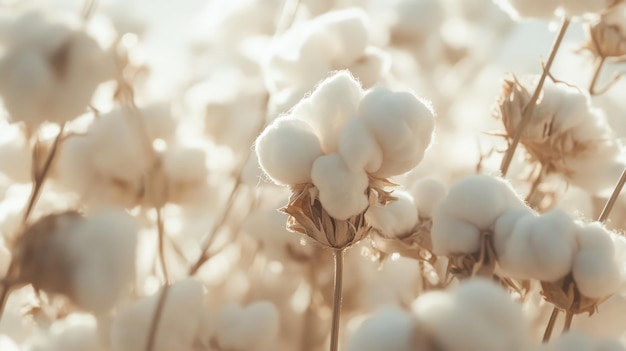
<point x="335" y="149"/>
<point x="565" y="135"/>
<point x="311" y="50"/>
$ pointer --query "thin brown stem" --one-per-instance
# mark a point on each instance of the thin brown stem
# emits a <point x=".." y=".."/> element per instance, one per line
<point x="4" y="295"/>
<point x="569" y="316"/>
<point x="550" y="327"/>
<point x="156" y="319"/>
<point x="611" y="202"/>
<point x="39" y="176"/>
<point x="161" y="238"/>
<point x="337" y="295"/>
<point x="596" y="74"/>
<point x="530" y="107"/>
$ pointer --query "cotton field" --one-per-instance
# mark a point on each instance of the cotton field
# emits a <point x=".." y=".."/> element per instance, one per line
<point x="312" y="175"/>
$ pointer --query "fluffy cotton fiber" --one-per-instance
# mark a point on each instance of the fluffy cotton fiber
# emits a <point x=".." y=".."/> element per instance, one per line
<point x="389" y="329"/>
<point x="397" y="218"/>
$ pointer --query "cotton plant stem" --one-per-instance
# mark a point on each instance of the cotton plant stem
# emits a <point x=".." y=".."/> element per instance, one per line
<point x="39" y="176"/>
<point x="156" y="319"/>
<point x="530" y="107"/>
<point x="569" y="316"/>
<point x="550" y="326"/>
<point x="596" y="74"/>
<point x="161" y="238"/>
<point x="337" y="295"/>
<point x="611" y="202"/>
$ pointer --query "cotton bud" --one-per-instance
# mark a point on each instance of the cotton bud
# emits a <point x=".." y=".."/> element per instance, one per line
<point x="51" y="69"/>
<point x="566" y="135"/>
<point x="88" y="260"/>
<point x="607" y="35"/>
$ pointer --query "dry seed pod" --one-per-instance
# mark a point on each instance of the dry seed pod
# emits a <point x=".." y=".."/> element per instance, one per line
<point x="607" y="35"/>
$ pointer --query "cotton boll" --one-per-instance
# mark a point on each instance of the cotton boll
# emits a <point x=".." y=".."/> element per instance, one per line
<point x="76" y="332"/>
<point x="248" y="328"/>
<point x="450" y="235"/>
<point x="540" y="247"/>
<point x="595" y="269"/>
<point x="388" y="329"/>
<point x="286" y="150"/>
<point x="117" y="150"/>
<point x="350" y="26"/>
<point x="358" y="147"/>
<point x="395" y="219"/>
<point x="103" y="248"/>
<point x="480" y="200"/>
<point x="477" y="316"/>
<point x="503" y="228"/>
<point x="374" y="65"/>
<point x="73" y="170"/>
<point x="341" y="192"/>
<point x="179" y="326"/>
<point x="402" y="125"/>
<point x="427" y="194"/>
<point x="332" y="103"/>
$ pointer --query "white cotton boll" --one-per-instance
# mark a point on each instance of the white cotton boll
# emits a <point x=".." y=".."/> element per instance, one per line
<point x="341" y="192"/>
<point x="286" y="150"/>
<point x="540" y="247"/>
<point x="480" y="200"/>
<point x="250" y="328"/>
<point x="52" y="69"/>
<point x="596" y="276"/>
<point x="117" y="152"/>
<point x="103" y="247"/>
<point x="576" y="341"/>
<point x="402" y="125"/>
<point x="450" y="235"/>
<point x="370" y="68"/>
<point x="332" y="103"/>
<point x="350" y="27"/>
<point x="397" y="218"/>
<point x="389" y="329"/>
<point x="595" y="268"/>
<point x="76" y="332"/>
<point x="358" y="147"/>
<point x="503" y="228"/>
<point x="477" y="316"/>
<point x="427" y="194"/>
<point x="182" y="319"/>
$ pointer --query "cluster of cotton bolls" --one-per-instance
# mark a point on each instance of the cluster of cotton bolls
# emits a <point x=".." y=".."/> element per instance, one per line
<point x="340" y="135"/>
<point x="160" y="160"/>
